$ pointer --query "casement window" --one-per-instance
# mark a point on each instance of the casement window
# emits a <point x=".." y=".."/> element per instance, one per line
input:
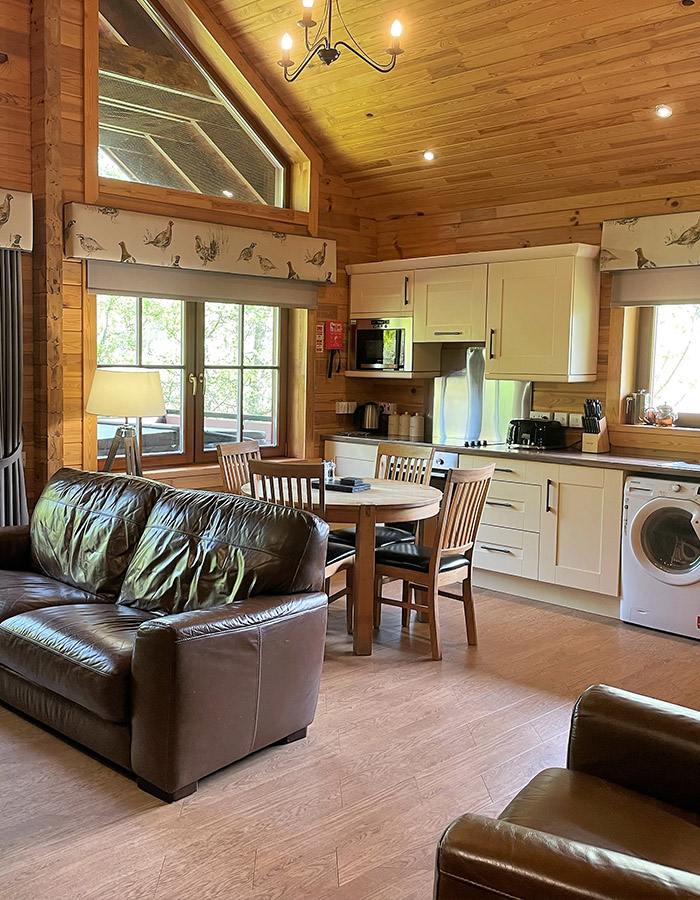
<point x="164" y="121"/>
<point x="221" y="367"/>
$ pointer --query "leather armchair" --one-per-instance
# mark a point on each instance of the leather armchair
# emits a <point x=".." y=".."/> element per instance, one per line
<point x="622" y="821"/>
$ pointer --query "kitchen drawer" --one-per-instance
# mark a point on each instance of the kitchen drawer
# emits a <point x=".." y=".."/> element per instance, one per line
<point x="513" y="505"/>
<point x="507" y="469"/>
<point x="507" y="550"/>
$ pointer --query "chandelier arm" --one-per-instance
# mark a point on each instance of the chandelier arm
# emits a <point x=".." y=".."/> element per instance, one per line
<point x="365" y="58"/>
<point x="317" y="39"/>
<point x="304" y="63"/>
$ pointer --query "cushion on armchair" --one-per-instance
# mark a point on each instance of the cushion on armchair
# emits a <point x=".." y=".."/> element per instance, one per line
<point x="188" y="557"/>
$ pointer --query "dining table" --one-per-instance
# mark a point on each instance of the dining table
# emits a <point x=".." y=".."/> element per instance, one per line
<point x="386" y="502"/>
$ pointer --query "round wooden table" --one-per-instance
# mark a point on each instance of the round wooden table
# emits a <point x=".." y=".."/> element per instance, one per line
<point x="386" y="501"/>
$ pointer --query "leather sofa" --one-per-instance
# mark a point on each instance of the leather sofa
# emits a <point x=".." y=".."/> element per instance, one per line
<point x="622" y="821"/>
<point x="170" y="631"/>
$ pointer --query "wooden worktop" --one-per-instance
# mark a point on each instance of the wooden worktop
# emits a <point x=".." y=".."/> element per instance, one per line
<point x="648" y="463"/>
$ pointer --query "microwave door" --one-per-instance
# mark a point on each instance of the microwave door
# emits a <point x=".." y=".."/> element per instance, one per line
<point x="370" y="348"/>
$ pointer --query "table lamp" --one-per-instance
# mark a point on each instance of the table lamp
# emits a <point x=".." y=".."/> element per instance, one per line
<point x="132" y="393"/>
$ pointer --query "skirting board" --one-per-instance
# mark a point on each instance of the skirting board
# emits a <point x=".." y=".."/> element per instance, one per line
<point x="571" y="598"/>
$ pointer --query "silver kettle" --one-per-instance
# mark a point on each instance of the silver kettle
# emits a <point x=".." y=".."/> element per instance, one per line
<point x="370" y="419"/>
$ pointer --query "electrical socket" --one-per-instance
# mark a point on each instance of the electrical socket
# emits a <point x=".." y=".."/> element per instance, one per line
<point x="562" y="417"/>
<point x="575" y="420"/>
<point x="539" y="415"/>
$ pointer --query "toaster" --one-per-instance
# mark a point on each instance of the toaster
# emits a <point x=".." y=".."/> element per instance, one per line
<point x="537" y="434"/>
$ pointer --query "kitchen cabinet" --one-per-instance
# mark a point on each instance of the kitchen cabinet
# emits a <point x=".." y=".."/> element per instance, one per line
<point x="351" y="460"/>
<point x="376" y="294"/>
<point x="580" y="527"/>
<point x="449" y="304"/>
<point x="542" y="319"/>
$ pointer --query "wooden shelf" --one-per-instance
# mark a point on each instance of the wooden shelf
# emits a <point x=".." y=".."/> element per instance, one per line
<point x="400" y="376"/>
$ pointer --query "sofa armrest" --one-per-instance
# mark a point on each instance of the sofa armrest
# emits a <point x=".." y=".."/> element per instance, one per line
<point x="15" y="548"/>
<point x="482" y="858"/>
<point x="210" y="686"/>
<point x="639" y="743"/>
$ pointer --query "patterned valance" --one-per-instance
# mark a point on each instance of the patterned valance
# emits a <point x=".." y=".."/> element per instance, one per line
<point x="103" y="232"/>
<point x="16" y="220"/>
<point x="651" y="242"/>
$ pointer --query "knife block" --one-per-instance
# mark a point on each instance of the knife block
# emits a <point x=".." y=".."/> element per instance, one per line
<point x="597" y="443"/>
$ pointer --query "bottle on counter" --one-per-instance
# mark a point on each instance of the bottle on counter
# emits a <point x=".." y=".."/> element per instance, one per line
<point x="405" y="425"/>
<point x="416" y="427"/>
<point x="394" y="428"/>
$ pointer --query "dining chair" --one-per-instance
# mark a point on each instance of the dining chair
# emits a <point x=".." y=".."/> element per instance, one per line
<point x="301" y="485"/>
<point x="409" y="463"/>
<point x="233" y="462"/>
<point x="448" y="561"/>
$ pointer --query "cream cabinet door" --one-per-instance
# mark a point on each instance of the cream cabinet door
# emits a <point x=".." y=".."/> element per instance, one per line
<point x="449" y="304"/>
<point x="529" y="318"/>
<point x="351" y="460"/>
<point x="381" y="294"/>
<point x="581" y="527"/>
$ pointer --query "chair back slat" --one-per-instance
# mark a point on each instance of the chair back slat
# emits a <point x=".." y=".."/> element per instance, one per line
<point x="462" y="505"/>
<point x="404" y="462"/>
<point x="233" y="462"/>
<point x="289" y="484"/>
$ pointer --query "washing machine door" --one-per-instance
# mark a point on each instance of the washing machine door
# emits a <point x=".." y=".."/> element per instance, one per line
<point x="664" y="536"/>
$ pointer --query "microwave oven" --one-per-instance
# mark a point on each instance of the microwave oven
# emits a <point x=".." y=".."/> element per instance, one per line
<point x="382" y="345"/>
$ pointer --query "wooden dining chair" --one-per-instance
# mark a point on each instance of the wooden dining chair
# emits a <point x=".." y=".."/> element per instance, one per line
<point x="301" y="485"/>
<point x="409" y="463"/>
<point x="448" y="561"/>
<point x="233" y="462"/>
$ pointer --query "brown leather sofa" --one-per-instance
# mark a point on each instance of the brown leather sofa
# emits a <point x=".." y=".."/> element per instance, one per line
<point x="172" y="632"/>
<point x="622" y="821"/>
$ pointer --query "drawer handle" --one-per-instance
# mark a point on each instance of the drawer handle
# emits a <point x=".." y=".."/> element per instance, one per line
<point x="438" y="333"/>
<point x="547" y="504"/>
<point x="509" y="471"/>
<point x="495" y="549"/>
<point x="494" y="503"/>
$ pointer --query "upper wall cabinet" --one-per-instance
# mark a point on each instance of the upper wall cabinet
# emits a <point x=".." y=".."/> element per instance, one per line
<point x="381" y="294"/>
<point x="542" y="319"/>
<point x="449" y="304"/>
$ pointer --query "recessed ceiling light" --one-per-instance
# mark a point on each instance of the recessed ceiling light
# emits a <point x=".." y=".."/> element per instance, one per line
<point x="227" y="193"/>
<point x="429" y="155"/>
<point x="663" y="111"/>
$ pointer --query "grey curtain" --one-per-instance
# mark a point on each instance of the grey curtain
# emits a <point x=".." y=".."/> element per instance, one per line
<point x="13" y="495"/>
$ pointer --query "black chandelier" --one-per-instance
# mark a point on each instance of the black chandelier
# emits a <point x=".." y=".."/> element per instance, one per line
<point x="323" y="46"/>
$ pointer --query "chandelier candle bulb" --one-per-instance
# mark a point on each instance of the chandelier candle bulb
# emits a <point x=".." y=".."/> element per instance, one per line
<point x="286" y="60"/>
<point x="395" y="38"/>
<point x="306" y="20"/>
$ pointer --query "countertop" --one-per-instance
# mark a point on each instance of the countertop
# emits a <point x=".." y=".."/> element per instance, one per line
<point x="629" y="460"/>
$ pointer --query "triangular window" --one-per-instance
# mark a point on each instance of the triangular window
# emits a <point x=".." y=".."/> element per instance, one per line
<point x="163" y="120"/>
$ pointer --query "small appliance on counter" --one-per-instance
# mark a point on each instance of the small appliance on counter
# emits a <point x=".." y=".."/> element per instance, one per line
<point x="536" y="434"/>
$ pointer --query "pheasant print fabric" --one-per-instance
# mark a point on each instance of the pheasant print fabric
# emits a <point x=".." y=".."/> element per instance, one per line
<point x="651" y="242"/>
<point x="104" y="232"/>
<point x="16" y="221"/>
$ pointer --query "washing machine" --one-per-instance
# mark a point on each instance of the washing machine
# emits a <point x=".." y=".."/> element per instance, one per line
<point x="661" y="555"/>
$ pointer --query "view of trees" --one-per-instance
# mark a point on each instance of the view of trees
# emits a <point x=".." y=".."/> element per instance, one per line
<point x="676" y="373"/>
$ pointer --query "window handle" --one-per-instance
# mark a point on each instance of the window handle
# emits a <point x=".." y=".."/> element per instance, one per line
<point x="192" y="378"/>
<point x="202" y="379"/>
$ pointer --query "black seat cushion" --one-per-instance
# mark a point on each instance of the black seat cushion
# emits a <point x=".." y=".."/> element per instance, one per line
<point x="337" y="552"/>
<point x="416" y="557"/>
<point x="383" y="534"/>
<point x="83" y="653"/>
<point x="22" y="592"/>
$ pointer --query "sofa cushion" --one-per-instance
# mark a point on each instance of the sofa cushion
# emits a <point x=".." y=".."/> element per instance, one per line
<point x="587" y="809"/>
<point x="24" y="591"/>
<point x="82" y="653"/>
<point x="86" y="526"/>
<point x="187" y="558"/>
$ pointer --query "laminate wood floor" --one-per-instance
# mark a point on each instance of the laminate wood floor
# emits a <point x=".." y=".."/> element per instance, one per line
<point x="401" y="745"/>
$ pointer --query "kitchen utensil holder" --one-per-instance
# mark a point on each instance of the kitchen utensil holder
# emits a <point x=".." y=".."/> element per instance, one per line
<point x="597" y="443"/>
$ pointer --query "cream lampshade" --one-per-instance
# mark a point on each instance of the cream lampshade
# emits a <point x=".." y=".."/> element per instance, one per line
<point x="131" y="393"/>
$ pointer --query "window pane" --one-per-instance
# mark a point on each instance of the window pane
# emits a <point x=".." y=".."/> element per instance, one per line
<point x="164" y="433"/>
<point x="221" y="407"/>
<point x="676" y="374"/>
<point x="259" y="396"/>
<point x="162" y="332"/>
<point x="259" y="344"/>
<point x="222" y="328"/>
<point x="117" y="331"/>
<point x="106" y="429"/>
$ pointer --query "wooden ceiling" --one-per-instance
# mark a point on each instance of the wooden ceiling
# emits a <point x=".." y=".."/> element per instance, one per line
<point x="519" y="99"/>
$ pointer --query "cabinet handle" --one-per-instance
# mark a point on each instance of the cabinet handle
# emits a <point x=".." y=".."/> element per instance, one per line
<point x="438" y="333"/>
<point x="509" y="471"/>
<point x="491" y="336"/>
<point x="547" y="504"/>
<point x="495" y="549"/>
<point x="495" y="503"/>
<point x="405" y="290"/>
